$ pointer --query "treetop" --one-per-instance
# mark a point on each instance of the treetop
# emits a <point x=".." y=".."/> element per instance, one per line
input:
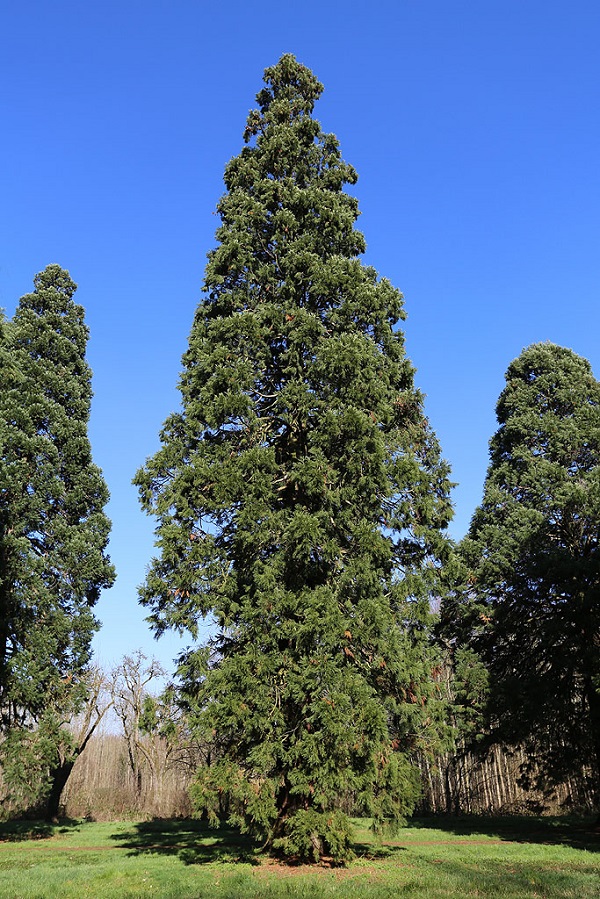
<point x="548" y="378"/>
<point x="56" y="278"/>
<point x="291" y="90"/>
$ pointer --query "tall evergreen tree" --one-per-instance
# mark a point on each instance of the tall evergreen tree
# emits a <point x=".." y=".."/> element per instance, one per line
<point x="531" y="606"/>
<point x="53" y="530"/>
<point x="301" y="500"/>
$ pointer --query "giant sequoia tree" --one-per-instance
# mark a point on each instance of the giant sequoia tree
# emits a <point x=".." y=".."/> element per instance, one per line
<point x="301" y="499"/>
<point x="532" y="606"/>
<point x="53" y="531"/>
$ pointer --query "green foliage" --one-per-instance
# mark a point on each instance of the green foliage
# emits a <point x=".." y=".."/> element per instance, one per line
<point x="53" y="531"/>
<point x="225" y="786"/>
<point x="28" y="755"/>
<point x="470" y="684"/>
<point x="300" y="496"/>
<point x="311" y="834"/>
<point x="529" y="608"/>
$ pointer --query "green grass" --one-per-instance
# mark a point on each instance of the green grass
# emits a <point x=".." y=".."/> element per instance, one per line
<point x="507" y="858"/>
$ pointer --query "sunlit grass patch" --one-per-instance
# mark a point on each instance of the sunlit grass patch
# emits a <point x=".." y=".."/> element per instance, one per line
<point x="437" y="859"/>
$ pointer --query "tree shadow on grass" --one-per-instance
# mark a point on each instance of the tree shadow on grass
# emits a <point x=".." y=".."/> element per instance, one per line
<point x="377" y="851"/>
<point x="20" y="830"/>
<point x="578" y="833"/>
<point x="192" y="841"/>
<point x="196" y="843"/>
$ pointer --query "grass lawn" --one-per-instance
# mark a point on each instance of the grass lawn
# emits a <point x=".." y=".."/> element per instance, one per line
<point x="503" y="858"/>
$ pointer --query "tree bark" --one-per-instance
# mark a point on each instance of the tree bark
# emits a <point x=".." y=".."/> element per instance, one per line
<point x="593" y="699"/>
<point x="59" y="776"/>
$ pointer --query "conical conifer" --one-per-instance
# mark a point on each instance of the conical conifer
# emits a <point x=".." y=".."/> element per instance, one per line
<point x="301" y="500"/>
<point x="530" y="607"/>
<point x="53" y="530"/>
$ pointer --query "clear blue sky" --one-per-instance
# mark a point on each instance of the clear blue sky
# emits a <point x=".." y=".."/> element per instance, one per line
<point x="474" y="129"/>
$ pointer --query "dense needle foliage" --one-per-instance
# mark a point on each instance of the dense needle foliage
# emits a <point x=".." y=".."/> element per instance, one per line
<point x="530" y="607"/>
<point x="53" y="531"/>
<point x="301" y="501"/>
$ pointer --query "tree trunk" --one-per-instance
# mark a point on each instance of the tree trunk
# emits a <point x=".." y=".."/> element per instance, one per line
<point x="593" y="698"/>
<point x="59" y="776"/>
<point x="444" y="769"/>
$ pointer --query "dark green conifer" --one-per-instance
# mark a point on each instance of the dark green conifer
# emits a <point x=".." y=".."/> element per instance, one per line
<point x="301" y="500"/>
<point x="530" y="608"/>
<point x="53" y="530"/>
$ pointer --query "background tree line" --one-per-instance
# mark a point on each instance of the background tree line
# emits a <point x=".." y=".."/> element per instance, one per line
<point x="142" y="758"/>
<point x="302" y="502"/>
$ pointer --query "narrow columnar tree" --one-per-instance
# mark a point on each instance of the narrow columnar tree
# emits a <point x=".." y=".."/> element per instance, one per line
<point x="301" y="499"/>
<point x="531" y="605"/>
<point x="53" y="530"/>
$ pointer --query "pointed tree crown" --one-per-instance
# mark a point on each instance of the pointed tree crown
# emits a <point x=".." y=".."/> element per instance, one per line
<point x="300" y="494"/>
